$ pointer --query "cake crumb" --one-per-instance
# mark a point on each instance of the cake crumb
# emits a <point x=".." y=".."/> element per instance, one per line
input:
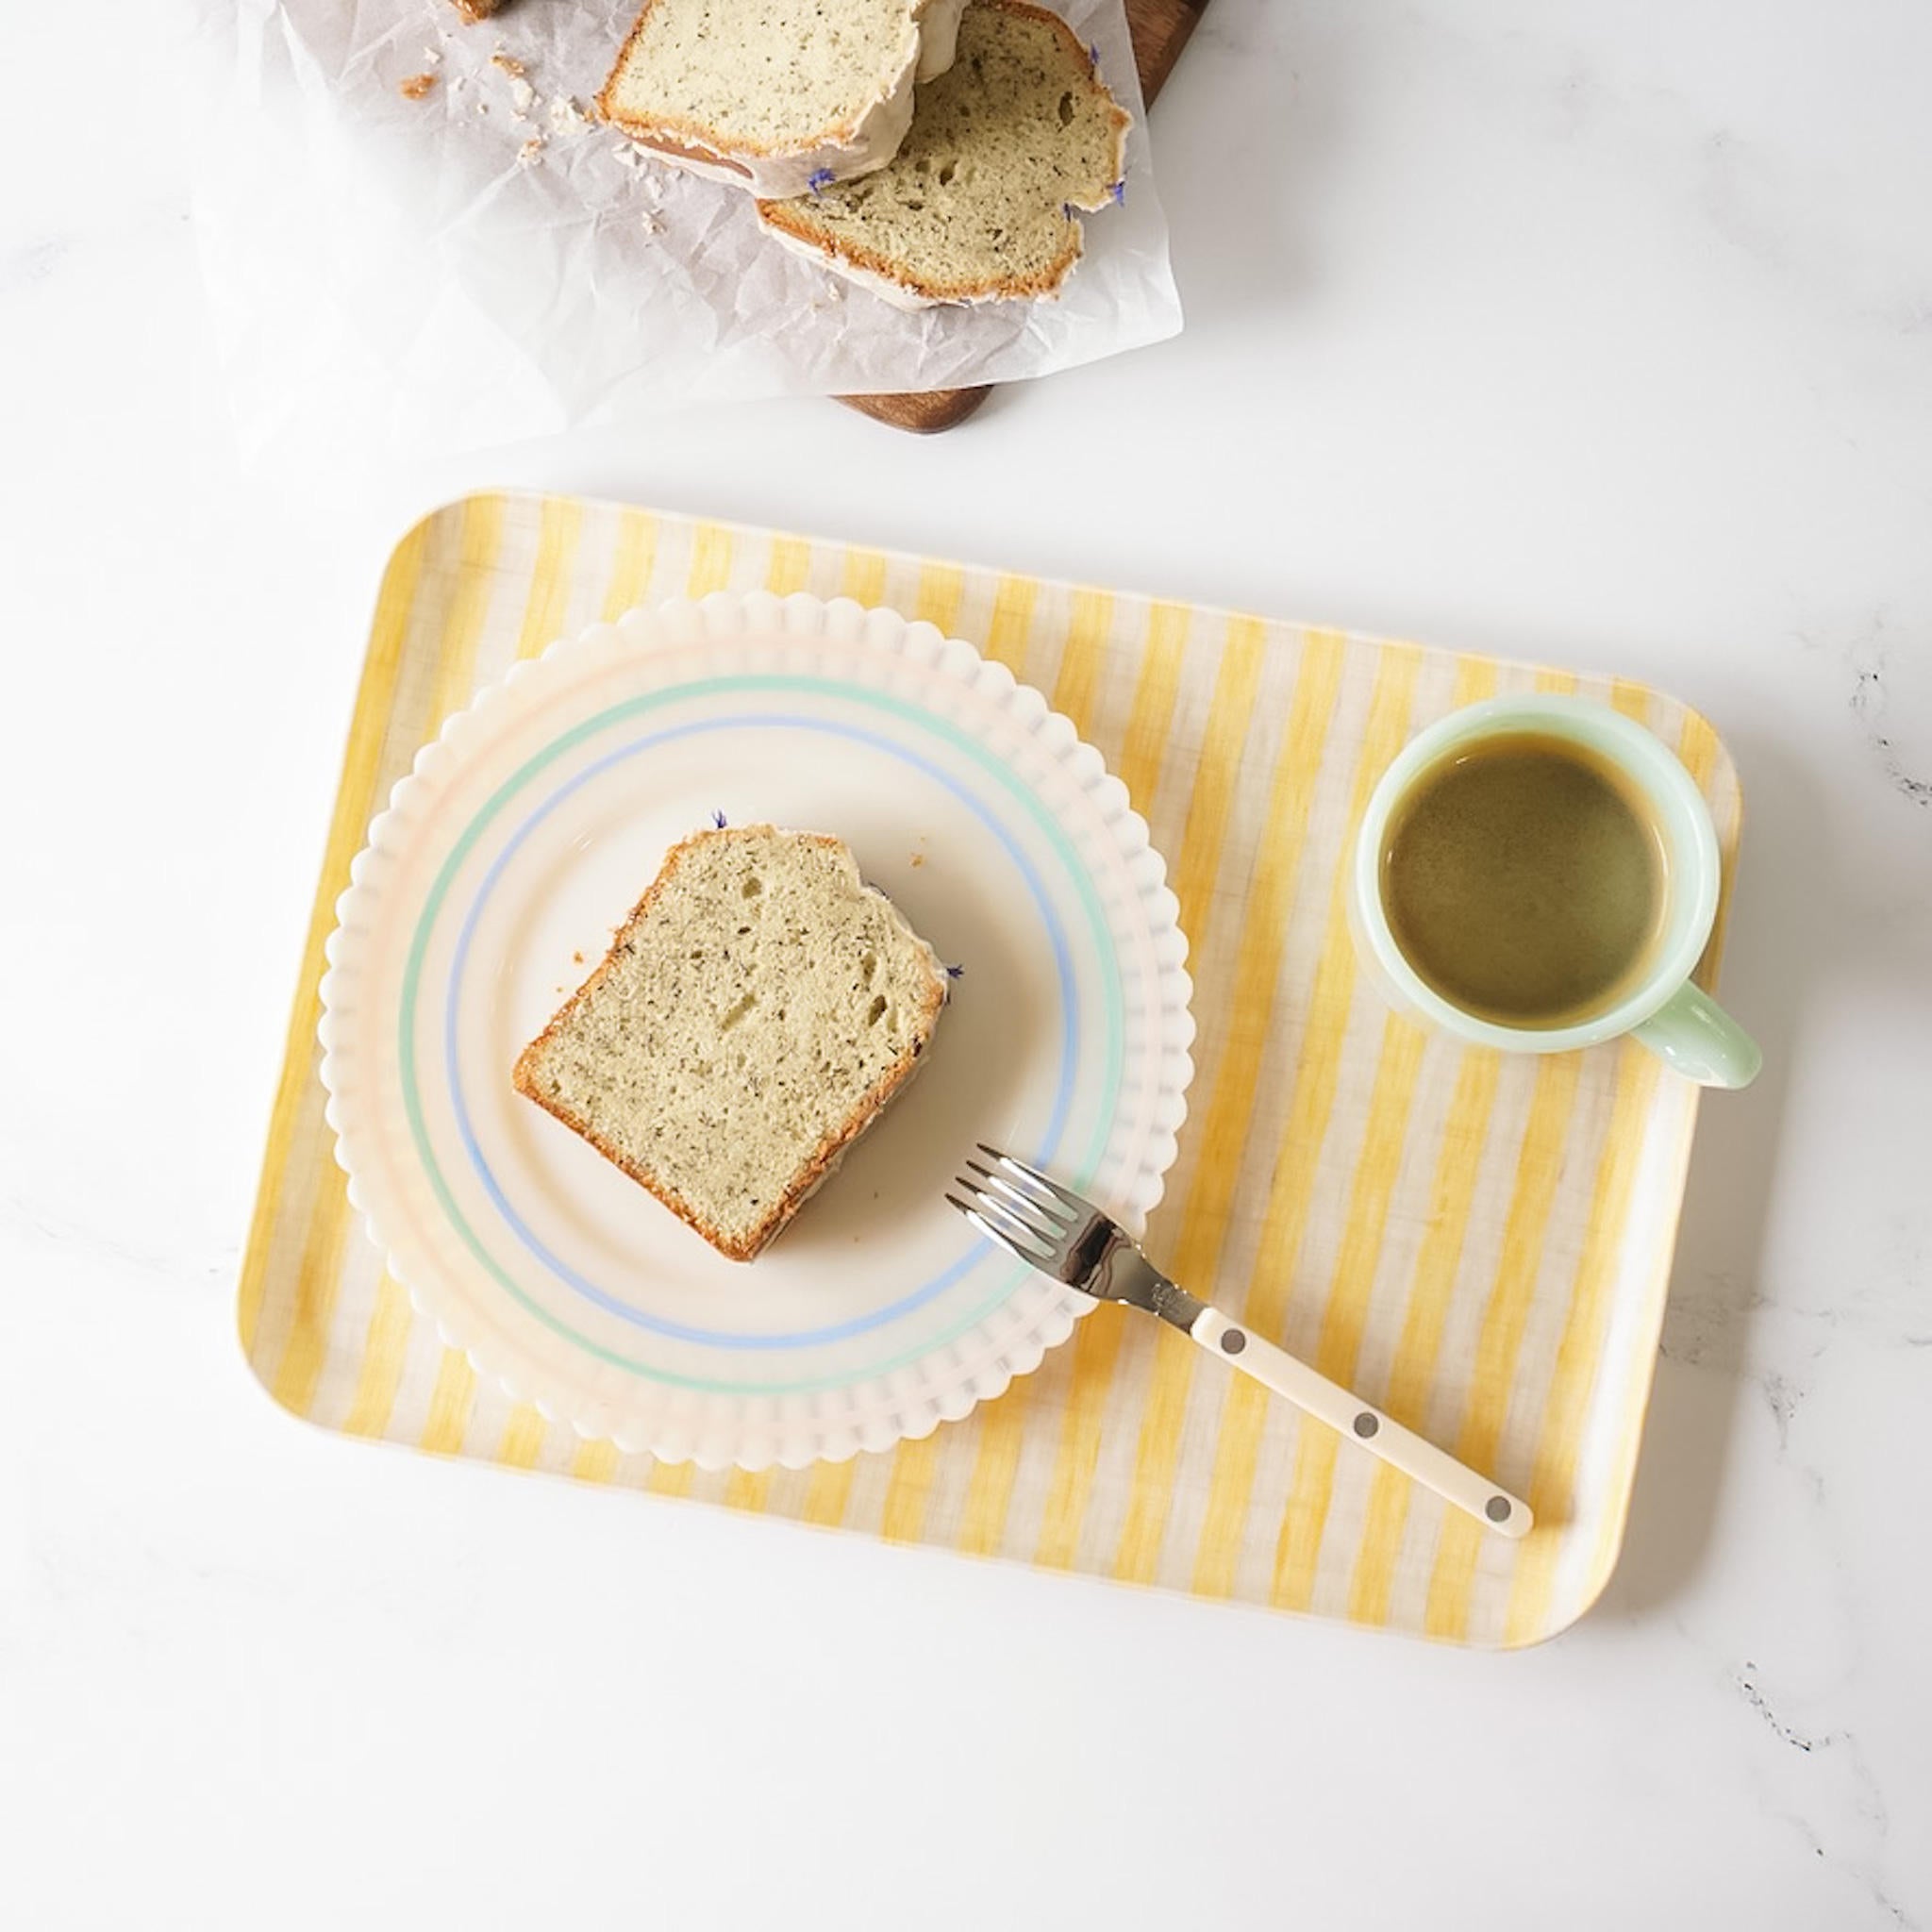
<point x="566" y="117"/>
<point x="417" y="85"/>
<point x="509" y="63"/>
<point x="918" y="859"/>
<point x="531" y="151"/>
<point x="521" y="94"/>
<point x="577" y="958"/>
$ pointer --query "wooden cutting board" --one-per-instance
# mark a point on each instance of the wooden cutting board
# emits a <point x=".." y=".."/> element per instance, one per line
<point x="1160" y="30"/>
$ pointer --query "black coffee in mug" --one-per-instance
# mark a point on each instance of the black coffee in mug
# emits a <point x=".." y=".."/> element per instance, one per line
<point x="1524" y="877"/>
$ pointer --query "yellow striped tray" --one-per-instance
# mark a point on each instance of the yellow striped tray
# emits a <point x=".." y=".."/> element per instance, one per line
<point x="1480" y="1246"/>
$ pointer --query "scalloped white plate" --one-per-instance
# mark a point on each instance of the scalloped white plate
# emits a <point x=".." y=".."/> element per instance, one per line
<point x="490" y="885"/>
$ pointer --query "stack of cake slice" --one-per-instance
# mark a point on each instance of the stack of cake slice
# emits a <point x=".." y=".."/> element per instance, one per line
<point x="932" y="150"/>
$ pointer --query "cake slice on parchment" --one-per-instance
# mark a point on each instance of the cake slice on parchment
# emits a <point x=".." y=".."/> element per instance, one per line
<point x="752" y="1017"/>
<point x="980" y="202"/>
<point x="778" y="96"/>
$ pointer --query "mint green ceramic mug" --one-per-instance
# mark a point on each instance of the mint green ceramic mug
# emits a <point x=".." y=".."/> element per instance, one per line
<point x="1683" y="1025"/>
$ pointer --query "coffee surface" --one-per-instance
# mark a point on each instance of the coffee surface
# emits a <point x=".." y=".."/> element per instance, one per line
<point x="1524" y="880"/>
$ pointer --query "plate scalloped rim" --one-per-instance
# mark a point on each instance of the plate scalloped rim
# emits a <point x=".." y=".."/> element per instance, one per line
<point x="906" y="1412"/>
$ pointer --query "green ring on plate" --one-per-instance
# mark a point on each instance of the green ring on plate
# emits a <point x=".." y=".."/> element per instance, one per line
<point x="631" y="708"/>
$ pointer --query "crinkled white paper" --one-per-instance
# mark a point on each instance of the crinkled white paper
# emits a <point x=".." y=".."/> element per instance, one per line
<point x="488" y="262"/>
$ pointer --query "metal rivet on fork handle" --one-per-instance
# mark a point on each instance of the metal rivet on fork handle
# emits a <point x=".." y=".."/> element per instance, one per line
<point x="1233" y="1342"/>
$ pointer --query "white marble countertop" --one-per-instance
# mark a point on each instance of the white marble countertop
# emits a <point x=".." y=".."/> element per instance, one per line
<point x="1601" y="335"/>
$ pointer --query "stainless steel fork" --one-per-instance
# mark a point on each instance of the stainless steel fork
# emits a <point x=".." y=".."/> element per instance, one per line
<point x="1065" y="1236"/>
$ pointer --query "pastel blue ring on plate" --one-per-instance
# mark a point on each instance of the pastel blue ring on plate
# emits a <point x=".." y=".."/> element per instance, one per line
<point x="975" y="1253"/>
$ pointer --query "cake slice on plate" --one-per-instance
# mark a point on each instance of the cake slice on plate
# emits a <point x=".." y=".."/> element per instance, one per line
<point x="752" y="1017"/>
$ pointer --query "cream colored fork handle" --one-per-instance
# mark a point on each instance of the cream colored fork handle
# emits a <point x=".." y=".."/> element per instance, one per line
<point x="1348" y="1415"/>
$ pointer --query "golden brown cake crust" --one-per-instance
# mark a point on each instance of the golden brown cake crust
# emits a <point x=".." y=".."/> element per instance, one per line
<point x="747" y="1246"/>
<point x="794" y="218"/>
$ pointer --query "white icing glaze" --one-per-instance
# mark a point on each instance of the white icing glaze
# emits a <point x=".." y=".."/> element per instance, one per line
<point x="932" y="36"/>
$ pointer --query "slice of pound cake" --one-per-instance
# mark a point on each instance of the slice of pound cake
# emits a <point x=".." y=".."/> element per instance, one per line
<point x="752" y="1017"/>
<point x="980" y="202"/>
<point x="778" y="96"/>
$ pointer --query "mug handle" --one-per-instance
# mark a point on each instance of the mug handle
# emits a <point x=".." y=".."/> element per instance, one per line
<point x="1691" y="1034"/>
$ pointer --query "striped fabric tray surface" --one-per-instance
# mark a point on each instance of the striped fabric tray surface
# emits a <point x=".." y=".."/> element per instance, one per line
<point x="1481" y="1244"/>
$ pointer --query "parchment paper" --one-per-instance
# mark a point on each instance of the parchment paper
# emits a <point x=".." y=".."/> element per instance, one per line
<point x="487" y="262"/>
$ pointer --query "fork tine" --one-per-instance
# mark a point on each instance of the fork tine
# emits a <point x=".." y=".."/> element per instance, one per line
<point x="1020" y="1223"/>
<point x="1032" y="1202"/>
<point x="1052" y="1191"/>
<point x="997" y="1236"/>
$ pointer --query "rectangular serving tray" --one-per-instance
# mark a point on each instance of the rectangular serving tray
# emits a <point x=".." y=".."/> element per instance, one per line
<point x="1481" y="1244"/>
